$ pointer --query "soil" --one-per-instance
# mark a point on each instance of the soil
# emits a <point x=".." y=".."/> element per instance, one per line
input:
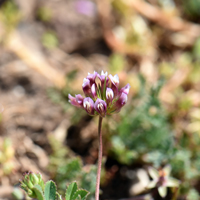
<point x="30" y="115"/>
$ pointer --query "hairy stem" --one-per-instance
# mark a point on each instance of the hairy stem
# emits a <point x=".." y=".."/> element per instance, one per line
<point x="99" y="159"/>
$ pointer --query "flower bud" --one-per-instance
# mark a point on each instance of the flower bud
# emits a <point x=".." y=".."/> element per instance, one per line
<point x="109" y="95"/>
<point x="102" y="78"/>
<point x="86" y="87"/>
<point x="92" y="77"/>
<point x="73" y="101"/>
<point x="114" y="83"/>
<point x="101" y="107"/>
<point x="125" y="89"/>
<point x="29" y="181"/>
<point x="88" y="105"/>
<point x="79" y="99"/>
<point x="121" y="102"/>
<point x="34" y="179"/>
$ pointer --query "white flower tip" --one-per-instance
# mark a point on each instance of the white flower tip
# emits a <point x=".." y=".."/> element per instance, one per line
<point x="93" y="88"/>
<point x="85" y="80"/>
<point x="88" y="73"/>
<point x="105" y="74"/>
<point x="100" y="106"/>
<point x="116" y="77"/>
<point x="109" y="94"/>
<point x="86" y="105"/>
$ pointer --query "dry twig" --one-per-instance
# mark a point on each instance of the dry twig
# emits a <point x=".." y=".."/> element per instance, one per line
<point x="35" y="59"/>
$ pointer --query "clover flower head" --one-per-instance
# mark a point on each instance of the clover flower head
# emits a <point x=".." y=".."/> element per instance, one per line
<point x="162" y="180"/>
<point x="102" y="97"/>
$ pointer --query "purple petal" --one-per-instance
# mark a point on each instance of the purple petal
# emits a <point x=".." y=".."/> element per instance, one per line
<point x="86" y="87"/>
<point x="102" y="76"/>
<point x="88" y="105"/>
<point x="114" y="79"/>
<point x="92" y="77"/>
<point x="79" y="99"/>
<point x="121" y="101"/>
<point x="125" y="89"/>
<point x="73" y="101"/>
<point x="101" y="107"/>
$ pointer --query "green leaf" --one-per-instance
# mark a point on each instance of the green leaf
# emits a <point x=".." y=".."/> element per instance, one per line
<point x="81" y="194"/>
<point x="38" y="192"/>
<point x="70" y="191"/>
<point x="39" y="188"/>
<point x="50" y="191"/>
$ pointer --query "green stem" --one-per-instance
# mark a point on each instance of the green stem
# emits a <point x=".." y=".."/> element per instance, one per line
<point x="99" y="159"/>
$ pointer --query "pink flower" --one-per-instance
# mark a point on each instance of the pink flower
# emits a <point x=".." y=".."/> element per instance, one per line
<point x="123" y="98"/>
<point x="109" y="95"/>
<point x="114" y="83"/>
<point x="125" y="89"/>
<point x="73" y="101"/>
<point x="88" y="105"/>
<point x="100" y="98"/>
<point x="101" y="107"/>
<point x="86" y="87"/>
<point x="92" y="77"/>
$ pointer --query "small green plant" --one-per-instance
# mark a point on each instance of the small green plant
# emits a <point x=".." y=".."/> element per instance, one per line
<point x="66" y="167"/>
<point x="35" y="187"/>
<point x="145" y="120"/>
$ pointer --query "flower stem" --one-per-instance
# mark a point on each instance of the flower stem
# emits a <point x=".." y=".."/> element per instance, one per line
<point x="99" y="159"/>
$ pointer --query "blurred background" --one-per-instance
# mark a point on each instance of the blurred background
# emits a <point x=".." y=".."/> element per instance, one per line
<point x="47" y="47"/>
